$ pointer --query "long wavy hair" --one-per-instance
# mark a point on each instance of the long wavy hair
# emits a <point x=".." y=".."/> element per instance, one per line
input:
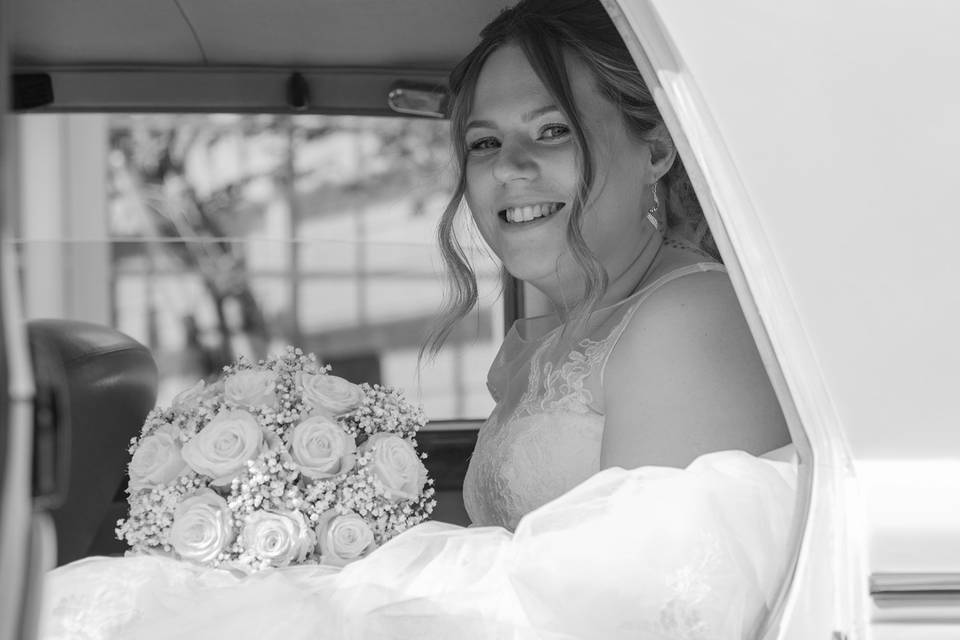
<point x="546" y="30"/>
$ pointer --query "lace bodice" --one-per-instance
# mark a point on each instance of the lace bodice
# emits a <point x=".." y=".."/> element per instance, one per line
<point x="543" y="437"/>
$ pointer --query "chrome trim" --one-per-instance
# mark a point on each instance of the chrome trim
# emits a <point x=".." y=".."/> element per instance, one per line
<point x="900" y="584"/>
<point x="916" y="597"/>
<point x="453" y="425"/>
<point x="418" y="99"/>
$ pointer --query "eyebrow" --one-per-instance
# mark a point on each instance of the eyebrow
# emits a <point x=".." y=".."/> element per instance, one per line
<point x="527" y="117"/>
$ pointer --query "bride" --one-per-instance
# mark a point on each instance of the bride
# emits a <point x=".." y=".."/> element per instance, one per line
<point x="618" y="490"/>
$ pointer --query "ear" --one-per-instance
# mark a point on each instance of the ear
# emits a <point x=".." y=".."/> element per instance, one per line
<point x="663" y="153"/>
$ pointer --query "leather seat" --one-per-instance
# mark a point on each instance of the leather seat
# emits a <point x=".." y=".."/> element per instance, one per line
<point x="95" y="386"/>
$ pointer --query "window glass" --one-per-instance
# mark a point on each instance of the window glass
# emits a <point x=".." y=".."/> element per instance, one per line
<point x="209" y="237"/>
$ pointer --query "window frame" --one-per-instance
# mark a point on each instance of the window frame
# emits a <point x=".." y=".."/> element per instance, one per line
<point x="773" y="321"/>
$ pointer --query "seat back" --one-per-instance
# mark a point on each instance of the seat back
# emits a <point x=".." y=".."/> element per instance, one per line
<point x="94" y="387"/>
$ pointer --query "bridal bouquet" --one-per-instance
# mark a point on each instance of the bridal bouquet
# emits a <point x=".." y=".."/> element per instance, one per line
<point x="277" y="463"/>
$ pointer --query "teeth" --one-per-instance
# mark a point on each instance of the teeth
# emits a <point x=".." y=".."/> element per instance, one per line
<point x="531" y="212"/>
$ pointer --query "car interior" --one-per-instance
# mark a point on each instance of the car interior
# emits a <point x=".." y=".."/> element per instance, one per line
<point x="324" y="58"/>
<point x="94" y="382"/>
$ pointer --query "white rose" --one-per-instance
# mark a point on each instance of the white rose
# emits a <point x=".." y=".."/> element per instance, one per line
<point x="321" y="448"/>
<point x="222" y="448"/>
<point x="343" y="538"/>
<point x="250" y="388"/>
<point x="328" y="393"/>
<point x="396" y="464"/>
<point x="157" y="459"/>
<point x="201" y="527"/>
<point x="279" y="538"/>
<point x="189" y="398"/>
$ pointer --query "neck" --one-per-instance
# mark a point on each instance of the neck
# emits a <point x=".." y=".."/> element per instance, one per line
<point x="636" y="275"/>
<point x="621" y="285"/>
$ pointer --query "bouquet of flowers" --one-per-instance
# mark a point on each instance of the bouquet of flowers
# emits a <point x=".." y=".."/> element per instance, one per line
<point x="276" y="463"/>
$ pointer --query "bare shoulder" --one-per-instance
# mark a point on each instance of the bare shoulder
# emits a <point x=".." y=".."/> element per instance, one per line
<point x="685" y="378"/>
<point x="698" y="296"/>
<point x="685" y="313"/>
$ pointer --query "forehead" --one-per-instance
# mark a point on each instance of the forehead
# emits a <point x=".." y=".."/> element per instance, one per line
<point x="508" y="83"/>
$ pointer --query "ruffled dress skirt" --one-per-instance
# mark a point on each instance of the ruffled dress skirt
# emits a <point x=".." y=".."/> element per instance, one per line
<point x="652" y="553"/>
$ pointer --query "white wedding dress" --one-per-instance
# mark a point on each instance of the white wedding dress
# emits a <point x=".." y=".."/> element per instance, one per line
<point x="559" y="550"/>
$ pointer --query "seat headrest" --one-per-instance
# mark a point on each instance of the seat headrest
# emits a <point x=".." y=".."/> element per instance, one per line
<point x="95" y="386"/>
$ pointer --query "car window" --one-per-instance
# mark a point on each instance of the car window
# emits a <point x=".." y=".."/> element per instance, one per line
<point x="213" y="236"/>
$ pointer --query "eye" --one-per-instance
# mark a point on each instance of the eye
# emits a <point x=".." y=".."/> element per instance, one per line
<point x="555" y="131"/>
<point x="483" y="144"/>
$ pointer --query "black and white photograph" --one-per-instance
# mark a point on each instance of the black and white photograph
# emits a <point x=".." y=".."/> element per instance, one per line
<point x="479" y="320"/>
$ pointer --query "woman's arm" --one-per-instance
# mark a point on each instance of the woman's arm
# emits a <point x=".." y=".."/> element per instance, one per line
<point x="685" y="379"/>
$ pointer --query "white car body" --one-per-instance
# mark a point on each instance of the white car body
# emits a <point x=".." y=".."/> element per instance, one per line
<point x="826" y="136"/>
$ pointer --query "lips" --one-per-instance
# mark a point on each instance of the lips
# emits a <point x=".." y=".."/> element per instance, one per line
<point x="530" y="212"/>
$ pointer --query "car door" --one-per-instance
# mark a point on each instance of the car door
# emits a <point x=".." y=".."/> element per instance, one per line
<point x="25" y="530"/>
<point x="824" y="140"/>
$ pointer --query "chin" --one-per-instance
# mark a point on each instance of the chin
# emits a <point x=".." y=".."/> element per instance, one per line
<point x="534" y="272"/>
<point x="528" y="271"/>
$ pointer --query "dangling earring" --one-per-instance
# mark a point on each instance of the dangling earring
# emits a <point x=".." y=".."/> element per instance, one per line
<point x="651" y="212"/>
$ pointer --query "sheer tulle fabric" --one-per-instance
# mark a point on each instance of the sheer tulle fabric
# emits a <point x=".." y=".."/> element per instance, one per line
<point x="654" y="553"/>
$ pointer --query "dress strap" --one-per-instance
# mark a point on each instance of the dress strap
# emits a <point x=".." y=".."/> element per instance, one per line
<point x="640" y="296"/>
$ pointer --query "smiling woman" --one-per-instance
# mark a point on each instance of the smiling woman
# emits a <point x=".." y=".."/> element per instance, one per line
<point x="646" y="358"/>
<point x="637" y="411"/>
<point x="591" y="125"/>
<point x="523" y="165"/>
<point x="854" y="316"/>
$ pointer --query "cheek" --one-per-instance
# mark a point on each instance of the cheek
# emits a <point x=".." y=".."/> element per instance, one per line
<point x="485" y="225"/>
<point x="563" y="168"/>
<point x="475" y="188"/>
<point x="477" y="197"/>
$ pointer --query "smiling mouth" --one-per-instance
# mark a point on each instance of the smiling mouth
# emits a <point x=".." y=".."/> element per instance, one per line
<point x="529" y="213"/>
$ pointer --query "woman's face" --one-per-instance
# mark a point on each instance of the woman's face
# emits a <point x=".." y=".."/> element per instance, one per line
<point x="522" y="174"/>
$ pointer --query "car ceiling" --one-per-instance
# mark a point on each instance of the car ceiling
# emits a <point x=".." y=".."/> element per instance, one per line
<point x="111" y="43"/>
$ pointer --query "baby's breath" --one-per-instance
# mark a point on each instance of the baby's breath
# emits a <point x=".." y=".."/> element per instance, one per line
<point x="384" y="409"/>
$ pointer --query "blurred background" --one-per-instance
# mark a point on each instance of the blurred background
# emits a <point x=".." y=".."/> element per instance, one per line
<point x="208" y="237"/>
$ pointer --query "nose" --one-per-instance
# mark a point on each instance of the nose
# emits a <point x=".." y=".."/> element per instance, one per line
<point x="514" y="162"/>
